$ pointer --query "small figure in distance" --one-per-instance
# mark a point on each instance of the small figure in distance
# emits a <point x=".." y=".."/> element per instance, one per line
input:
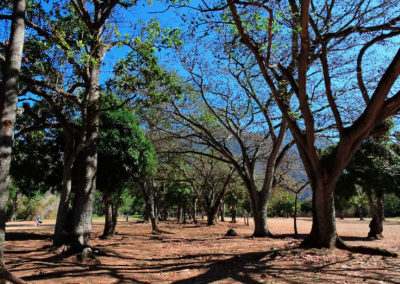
<point x="38" y="221"/>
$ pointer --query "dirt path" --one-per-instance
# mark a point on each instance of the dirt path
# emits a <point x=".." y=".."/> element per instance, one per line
<point x="195" y="253"/>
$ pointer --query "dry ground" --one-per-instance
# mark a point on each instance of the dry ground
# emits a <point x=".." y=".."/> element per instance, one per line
<point x="195" y="253"/>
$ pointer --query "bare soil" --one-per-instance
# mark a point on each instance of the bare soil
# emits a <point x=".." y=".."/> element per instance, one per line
<point x="195" y="253"/>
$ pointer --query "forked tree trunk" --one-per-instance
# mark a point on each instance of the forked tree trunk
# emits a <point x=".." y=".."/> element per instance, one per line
<point x="376" y="224"/>
<point x="111" y="213"/>
<point x="148" y="192"/>
<point x="8" y="108"/>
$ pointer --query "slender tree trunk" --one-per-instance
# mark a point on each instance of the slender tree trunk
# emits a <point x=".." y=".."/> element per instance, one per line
<point x="360" y="213"/>
<point x="8" y="108"/>
<point x="233" y="212"/>
<point x="222" y="211"/>
<point x="376" y="224"/>
<point x="194" y="210"/>
<point x="148" y="191"/>
<point x="13" y="210"/>
<point x="108" y="223"/>
<point x="295" y="215"/>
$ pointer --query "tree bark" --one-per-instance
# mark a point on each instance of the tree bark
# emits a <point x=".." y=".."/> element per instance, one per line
<point x="148" y="191"/>
<point x="376" y="224"/>
<point x="233" y="212"/>
<point x="323" y="232"/>
<point x="360" y="213"/>
<point x="212" y="217"/>
<point x="194" y="210"/>
<point x="61" y="227"/>
<point x="108" y="223"/>
<point x="8" y="108"/>
<point x="260" y="218"/>
<point x="83" y="201"/>
<point x="13" y="210"/>
<point x="295" y="215"/>
<point x="222" y="211"/>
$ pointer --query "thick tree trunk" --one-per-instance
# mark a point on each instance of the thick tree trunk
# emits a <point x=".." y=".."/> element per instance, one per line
<point x="8" y="108"/>
<point x="376" y="224"/>
<point x="323" y="232"/>
<point x="212" y="217"/>
<point x="259" y="207"/>
<point x="61" y="230"/>
<point x="108" y="223"/>
<point x="83" y="200"/>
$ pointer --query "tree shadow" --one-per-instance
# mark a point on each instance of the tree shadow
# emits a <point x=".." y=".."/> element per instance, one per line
<point x="25" y="236"/>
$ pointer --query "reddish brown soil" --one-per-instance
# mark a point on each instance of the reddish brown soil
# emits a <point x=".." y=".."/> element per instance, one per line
<point x="195" y="253"/>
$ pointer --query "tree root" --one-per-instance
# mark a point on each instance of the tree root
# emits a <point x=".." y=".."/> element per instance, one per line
<point x="6" y="277"/>
<point x="340" y="244"/>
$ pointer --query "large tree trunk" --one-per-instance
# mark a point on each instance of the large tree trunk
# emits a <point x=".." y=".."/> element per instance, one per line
<point x="260" y="220"/>
<point x="323" y="232"/>
<point x="61" y="230"/>
<point x="8" y="108"/>
<point x="83" y="200"/>
<point x="86" y="185"/>
<point x="376" y="224"/>
<point x="259" y="204"/>
<point x="212" y="217"/>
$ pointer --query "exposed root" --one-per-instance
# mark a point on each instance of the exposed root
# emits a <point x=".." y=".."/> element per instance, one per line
<point x="59" y="249"/>
<point x="363" y="249"/>
<point x="7" y="277"/>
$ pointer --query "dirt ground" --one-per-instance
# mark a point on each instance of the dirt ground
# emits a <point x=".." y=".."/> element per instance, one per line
<point x="195" y="253"/>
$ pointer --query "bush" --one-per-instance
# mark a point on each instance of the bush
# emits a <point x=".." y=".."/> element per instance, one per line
<point x="392" y="205"/>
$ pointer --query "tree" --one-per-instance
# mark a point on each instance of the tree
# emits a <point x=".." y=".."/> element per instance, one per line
<point x="375" y="169"/>
<point x="314" y="36"/>
<point x="241" y="132"/>
<point x="125" y="156"/>
<point x="10" y="59"/>
<point x="210" y="180"/>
